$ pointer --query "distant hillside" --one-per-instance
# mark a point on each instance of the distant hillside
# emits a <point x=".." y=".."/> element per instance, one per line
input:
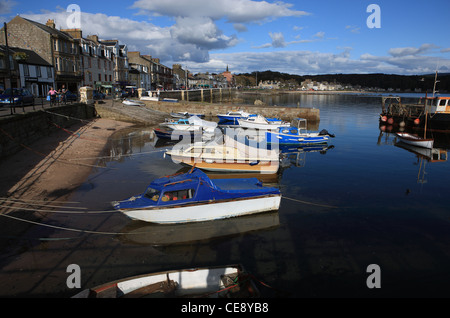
<point x="384" y="81"/>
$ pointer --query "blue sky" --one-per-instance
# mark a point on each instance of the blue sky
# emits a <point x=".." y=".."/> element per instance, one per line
<point x="297" y="37"/>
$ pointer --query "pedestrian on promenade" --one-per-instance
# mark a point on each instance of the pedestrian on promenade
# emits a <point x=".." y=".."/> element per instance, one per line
<point x="52" y="94"/>
<point x="62" y="93"/>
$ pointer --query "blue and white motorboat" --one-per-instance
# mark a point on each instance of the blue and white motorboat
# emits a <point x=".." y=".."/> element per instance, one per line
<point x="194" y="197"/>
<point x="186" y="115"/>
<point x="297" y="135"/>
<point x="233" y="115"/>
<point x="191" y="124"/>
<point x="261" y="122"/>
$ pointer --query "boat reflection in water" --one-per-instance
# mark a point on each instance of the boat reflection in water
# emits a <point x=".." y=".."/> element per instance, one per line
<point x="139" y="232"/>
<point x="437" y="153"/>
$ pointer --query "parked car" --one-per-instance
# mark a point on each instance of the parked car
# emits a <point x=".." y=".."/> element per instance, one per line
<point x="98" y="95"/>
<point x="21" y="96"/>
<point x="124" y="94"/>
<point x="70" y="97"/>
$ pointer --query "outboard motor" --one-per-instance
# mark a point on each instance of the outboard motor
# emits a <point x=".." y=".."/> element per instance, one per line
<point x="325" y="132"/>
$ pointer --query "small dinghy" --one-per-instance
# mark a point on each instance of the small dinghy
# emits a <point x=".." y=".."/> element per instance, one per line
<point x="130" y="102"/>
<point x="415" y="140"/>
<point x="194" y="197"/>
<point x="214" y="282"/>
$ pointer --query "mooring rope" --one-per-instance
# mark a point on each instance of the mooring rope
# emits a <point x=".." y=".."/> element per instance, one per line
<point x="56" y="211"/>
<point x="311" y="203"/>
<point x="122" y="155"/>
<point x="67" y="117"/>
<point x="51" y="155"/>
<point x="60" y="227"/>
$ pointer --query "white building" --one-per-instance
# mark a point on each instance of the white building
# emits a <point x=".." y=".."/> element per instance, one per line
<point x="35" y="74"/>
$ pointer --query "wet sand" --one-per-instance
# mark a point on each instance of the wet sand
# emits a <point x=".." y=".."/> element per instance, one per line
<point x="48" y="170"/>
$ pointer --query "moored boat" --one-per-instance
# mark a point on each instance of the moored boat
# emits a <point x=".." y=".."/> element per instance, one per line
<point x="232" y="156"/>
<point x="194" y="197"/>
<point x="130" y="102"/>
<point x="260" y="122"/>
<point x="297" y="135"/>
<point x="185" y="115"/>
<point x="434" y="111"/>
<point x="190" y="124"/>
<point x="233" y="115"/>
<point x="415" y="140"/>
<point x="230" y="281"/>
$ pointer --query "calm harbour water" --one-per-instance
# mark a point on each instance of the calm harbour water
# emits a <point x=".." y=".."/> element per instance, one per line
<point x="384" y="205"/>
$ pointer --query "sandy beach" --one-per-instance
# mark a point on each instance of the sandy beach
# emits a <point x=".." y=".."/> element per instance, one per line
<point x="48" y="170"/>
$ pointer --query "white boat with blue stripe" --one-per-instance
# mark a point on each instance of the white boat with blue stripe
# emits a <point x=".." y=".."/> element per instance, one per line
<point x="297" y="135"/>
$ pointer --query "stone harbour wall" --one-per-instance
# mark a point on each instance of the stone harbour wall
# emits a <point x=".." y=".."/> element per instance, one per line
<point x="21" y="130"/>
<point x="211" y="110"/>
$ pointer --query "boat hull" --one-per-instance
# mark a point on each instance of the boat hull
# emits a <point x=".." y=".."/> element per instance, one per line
<point x="269" y="167"/>
<point x="290" y="139"/>
<point x="211" y="281"/>
<point x="206" y="211"/>
<point x="268" y="126"/>
<point x="415" y="141"/>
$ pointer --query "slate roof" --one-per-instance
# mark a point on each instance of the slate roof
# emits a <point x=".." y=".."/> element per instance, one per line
<point x="32" y="57"/>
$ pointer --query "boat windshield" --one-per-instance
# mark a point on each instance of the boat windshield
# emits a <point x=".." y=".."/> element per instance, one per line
<point x="184" y="194"/>
<point x="152" y="194"/>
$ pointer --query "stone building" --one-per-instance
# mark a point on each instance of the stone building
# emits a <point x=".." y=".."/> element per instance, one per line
<point x="162" y="76"/>
<point x="35" y="74"/>
<point x="97" y="62"/>
<point x="120" y="58"/>
<point x="54" y="46"/>
<point x="180" y="76"/>
<point x="140" y="70"/>
<point x="7" y="78"/>
<point x="229" y="78"/>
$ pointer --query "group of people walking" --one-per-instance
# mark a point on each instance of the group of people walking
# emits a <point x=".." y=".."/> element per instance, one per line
<point x="53" y="94"/>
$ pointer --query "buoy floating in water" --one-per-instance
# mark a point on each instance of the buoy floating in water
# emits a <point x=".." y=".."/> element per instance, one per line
<point x="390" y="121"/>
<point x="383" y="119"/>
<point x="416" y="121"/>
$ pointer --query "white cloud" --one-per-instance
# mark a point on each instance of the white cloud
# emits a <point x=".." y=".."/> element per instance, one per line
<point x="176" y="43"/>
<point x="235" y="11"/>
<point x="201" y="32"/>
<point x="277" y="39"/>
<point x="6" y="6"/>
<point x="319" y="35"/>
<point x="404" y="51"/>
<point x="310" y="62"/>
<point x="240" y="27"/>
<point x="353" y="28"/>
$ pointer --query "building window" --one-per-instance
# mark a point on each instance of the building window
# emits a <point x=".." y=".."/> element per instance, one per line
<point x="55" y="44"/>
<point x="26" y="70"/>
<point x="38" y="71"/>
<point x="100" y="77"/>
<point x="49" y="72"/>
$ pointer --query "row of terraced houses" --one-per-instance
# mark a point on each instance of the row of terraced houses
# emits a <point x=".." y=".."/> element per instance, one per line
<point x="41" y="56"/>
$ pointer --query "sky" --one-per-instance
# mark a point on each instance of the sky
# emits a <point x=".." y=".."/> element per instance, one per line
<point x="295" y="37"/>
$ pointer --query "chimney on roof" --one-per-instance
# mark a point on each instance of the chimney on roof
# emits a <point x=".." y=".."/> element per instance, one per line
<point x="75" y="33"/>
<point x="51" y="23"/>
<point x="93" y="37"/>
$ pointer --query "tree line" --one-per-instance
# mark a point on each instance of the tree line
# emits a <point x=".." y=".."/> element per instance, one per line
<point x="375" y="80"/>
